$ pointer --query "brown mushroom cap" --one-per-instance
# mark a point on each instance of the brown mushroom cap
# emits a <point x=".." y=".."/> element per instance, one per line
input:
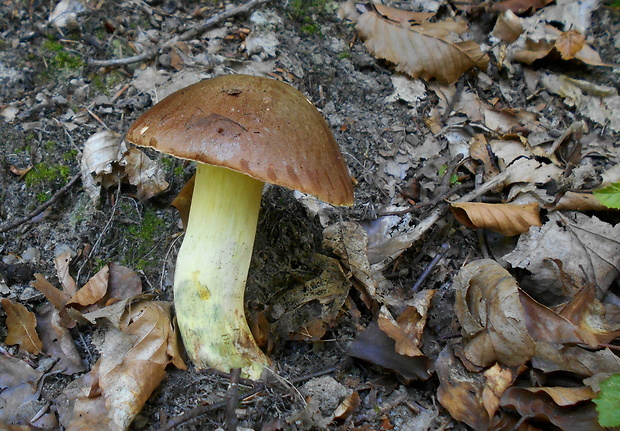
<point x="257" y="126"/>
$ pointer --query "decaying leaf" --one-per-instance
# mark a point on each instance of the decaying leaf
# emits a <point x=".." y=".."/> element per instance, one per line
<point x="21" y="325"/>
<point x="425" y="51"/>
<point x="588" y="248"/>
<point x="134" y="356"/>
<point x="57" y="341"/>
<point x="62" y="260"/>
<point x="349" y="241"/>
<point x="498" y="379"/>
<point x="311" y="307"/>
<point x="599" y="103"/>
<point x="18" y="388"/>
<point x="507" y="219"/>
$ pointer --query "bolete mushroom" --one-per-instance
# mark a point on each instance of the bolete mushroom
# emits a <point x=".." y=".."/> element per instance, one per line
<point x="243" y="131"/>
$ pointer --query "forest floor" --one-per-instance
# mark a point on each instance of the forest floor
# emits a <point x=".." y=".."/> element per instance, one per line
<point x="401" y="138"/>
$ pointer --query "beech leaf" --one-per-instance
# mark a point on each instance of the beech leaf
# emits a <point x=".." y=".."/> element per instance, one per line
<point x="133" y="359"/>
<point x="421" y="51"/>
<point x="507" y="219"/>
<point x="21" y="325"/>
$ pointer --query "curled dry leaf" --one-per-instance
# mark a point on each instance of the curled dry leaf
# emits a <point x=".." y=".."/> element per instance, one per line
<point x="539" y="404"/>
<point x="133" y="360"/>
<point x="498" y="379"/>
<point x="106" y="162"/>
<point x="507" y="219"/>
<point x="143" y="173"/>
<point x="183" y="201"/>
<point x="460" y="391"/>
<point x="508" y="27"/>
<point x="376" y="347"/>
<point x="349" y="241"/>
<point x="407" y="329"/>
<point x="311" y="307"/>
<point x="21" y="325"/>
<point x="549" y="42"/>
<point x="421" y="51"/>
<point x="491" y="315"/>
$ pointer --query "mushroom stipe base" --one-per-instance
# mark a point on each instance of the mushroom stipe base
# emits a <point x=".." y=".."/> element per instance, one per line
<point x="212" y="269"/>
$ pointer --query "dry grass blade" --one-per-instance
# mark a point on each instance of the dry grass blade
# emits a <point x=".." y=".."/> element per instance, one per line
<point x="420" y="51"/>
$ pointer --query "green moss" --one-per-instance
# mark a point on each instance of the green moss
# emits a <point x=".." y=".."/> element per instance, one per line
<point x="344" y="55"/>
<point x="62" y="59"/>
<point x="310" y="12"/>
<point x="311" y="29"/>
<point x="42" y="173"/>
<point x="144" y="237"/>
<point x="70" y="155"/>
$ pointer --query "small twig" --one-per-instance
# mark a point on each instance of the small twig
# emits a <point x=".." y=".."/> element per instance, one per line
<point x="233" y="398"/>
<point x="189" y="34"/>
<point x="444" y="249"/>
<point x="38" y="210"/>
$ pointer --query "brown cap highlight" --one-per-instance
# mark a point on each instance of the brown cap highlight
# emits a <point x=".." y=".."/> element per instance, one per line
<point x="257" y="126"/>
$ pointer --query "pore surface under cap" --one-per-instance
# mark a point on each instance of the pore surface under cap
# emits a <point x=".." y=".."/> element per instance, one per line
<point x="257" y="126"/>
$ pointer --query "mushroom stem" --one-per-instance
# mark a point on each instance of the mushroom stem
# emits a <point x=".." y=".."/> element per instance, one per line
<point x="212" y="269"/>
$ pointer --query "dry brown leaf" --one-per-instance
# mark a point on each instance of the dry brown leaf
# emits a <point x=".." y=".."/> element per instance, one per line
<point x="521" y="6"/>
<point x="347" y="406"/>
<point x="569" y="43"/>
<point x="540" y="406"/>
<point x="18" y="387"/>
<point x="507" y="219"/>
<point x="480" y="150"/>
<point x="508" y="27"/>
<point x="407" y="329"/>
<point x="111" y="283"/>
<point x="498" y="379"/>
<point x="62" y="261"/>
<point x="144" y="173"/>
<point x="57" y="297"/>
<point x="57" y="341"/>
<point x="491" y="315"/>
<point x="588" y="313"/>
<point x="21" y="325"/>
<point x="546" y="47"/>
<point x="400" y="15"/>
<point x="460" y="391"/>
<point x="183" y="201"/>
<point x="577" y="201"/>
<point x="588" y="248"/>
<point x="566" y="396"/>
<point x="93" y="290"/>
<point x="551" y="357"/>
<point x="421" y="51"/>
<point x="132" y="364"/>
<point x="374" y="346"/>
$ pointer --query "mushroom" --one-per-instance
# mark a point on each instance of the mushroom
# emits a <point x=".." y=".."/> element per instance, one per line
<point x="242" y="131"/>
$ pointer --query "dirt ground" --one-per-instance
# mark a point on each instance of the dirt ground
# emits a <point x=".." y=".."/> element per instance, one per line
<point x="53" y="98"/>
